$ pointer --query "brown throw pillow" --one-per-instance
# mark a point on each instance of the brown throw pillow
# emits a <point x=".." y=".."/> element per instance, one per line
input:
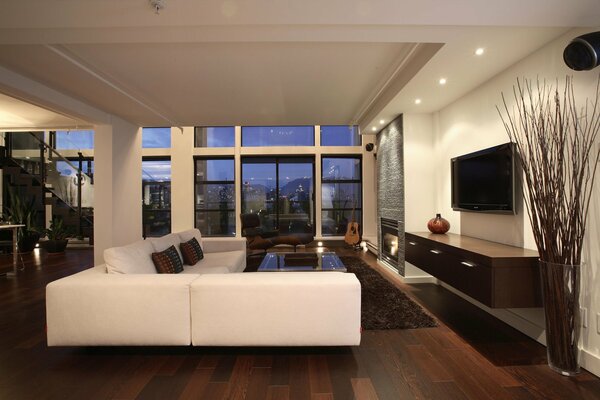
<point x="167" y="261"/>
<point x="191" y="251"/>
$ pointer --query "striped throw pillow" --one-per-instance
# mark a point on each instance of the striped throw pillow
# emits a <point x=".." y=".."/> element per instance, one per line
<point x="167" y="261"/>
<point x="191" y="251"/>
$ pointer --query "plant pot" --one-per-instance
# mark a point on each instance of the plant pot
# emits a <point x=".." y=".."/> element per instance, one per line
<point x="27" y="243"/>
<point x="560" y="288"/>
<point x="56" y="246"/>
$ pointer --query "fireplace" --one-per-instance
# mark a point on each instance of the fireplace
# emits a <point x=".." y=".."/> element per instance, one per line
<point x="389" y="241"/>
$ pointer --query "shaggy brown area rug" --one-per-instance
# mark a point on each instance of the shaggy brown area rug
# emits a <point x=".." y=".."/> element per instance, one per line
<point x="384" y="306"/>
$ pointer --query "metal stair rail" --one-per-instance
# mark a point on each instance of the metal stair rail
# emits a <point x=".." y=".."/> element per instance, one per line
<point x="57" y="175"/>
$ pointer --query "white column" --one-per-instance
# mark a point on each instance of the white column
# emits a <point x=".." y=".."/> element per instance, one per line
<point x="369" y="188"/>
<point x="182" y="179"/>
<point x="117" y="185"/>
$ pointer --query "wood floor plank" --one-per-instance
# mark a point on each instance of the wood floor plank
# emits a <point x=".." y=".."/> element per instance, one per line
<point x="342" y="369"/>
<point x="224" y="368"/>
<point x="432" y="368"/>
<point x="240" y="378"/>
<point x="259" y="382"/>
<point x="318" y="372"/>
<point x="196" y="384"/>
<point x="215" y="391"/>
<point x="363" y="389"/>
<point x="278" y="393"/>
<point x="386" y="386"/>
<point x="280" y="371"/>
<point x="136" y="383"/>
<point x="299" y="380"/>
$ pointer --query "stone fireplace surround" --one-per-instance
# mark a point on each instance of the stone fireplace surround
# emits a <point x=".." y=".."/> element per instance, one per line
<point x="390" y="185"/>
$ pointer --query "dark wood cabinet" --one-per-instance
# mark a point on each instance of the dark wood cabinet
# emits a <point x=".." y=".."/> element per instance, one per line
<point x="494" y="274"/>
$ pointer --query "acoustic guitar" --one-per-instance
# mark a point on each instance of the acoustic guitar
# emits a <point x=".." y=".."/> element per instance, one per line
<point x="352" y="236"/>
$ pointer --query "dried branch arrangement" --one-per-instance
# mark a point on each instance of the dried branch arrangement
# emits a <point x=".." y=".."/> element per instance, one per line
<point x="555" y="144"/>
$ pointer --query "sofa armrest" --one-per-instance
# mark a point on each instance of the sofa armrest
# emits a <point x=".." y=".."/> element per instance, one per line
<point x="94" y="308"/>
<point x="218" y="245"/>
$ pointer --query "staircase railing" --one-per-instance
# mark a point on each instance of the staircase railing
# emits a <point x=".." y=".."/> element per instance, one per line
<point x="56" y="174"/>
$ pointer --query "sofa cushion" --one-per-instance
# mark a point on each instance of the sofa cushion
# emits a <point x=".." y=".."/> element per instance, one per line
<point x="205" y="269"/>
<point x="134" y="258"/>
<point x="164" y="242"/>
<point x="189" y="234"/>
<point x="232" y="261"/>
<point x="167" y="261"/>
<point x="191" y="251"/>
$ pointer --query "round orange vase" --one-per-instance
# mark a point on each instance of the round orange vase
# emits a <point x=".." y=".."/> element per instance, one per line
<point x="438" y="224"/>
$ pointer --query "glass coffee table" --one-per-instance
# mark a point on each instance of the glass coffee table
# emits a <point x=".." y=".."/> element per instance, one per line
<point x="287" y="262"/>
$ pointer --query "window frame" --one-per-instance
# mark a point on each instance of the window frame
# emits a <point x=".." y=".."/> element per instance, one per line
<point x="334" y="181"/>
<point x="214" y="182"/>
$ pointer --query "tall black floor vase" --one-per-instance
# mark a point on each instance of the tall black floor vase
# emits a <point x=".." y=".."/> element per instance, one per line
<point x="560" y="288"/>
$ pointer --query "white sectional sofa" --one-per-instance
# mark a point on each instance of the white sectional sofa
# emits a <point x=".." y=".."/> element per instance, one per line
<point x="125" y="302"/>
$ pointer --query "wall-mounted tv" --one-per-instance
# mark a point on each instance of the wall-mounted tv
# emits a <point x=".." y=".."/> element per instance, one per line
<point x="484" y="181"/>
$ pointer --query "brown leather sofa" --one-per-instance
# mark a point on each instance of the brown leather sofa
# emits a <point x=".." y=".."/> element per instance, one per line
<point x="259" y="239"/>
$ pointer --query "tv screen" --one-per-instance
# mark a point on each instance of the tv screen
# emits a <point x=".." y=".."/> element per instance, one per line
<point x="484" y="180"/>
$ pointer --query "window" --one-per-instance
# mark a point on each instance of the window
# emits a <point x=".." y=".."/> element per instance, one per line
<point x="24" y="140"/>
<point x="340" y="135"/>
<point x="156" y="138"/>
<point x="87" y="165"/>
<point x="280" y="190"/>
<point x="214" y="136"/>
<point x="258" y="136"/>
<point x="74" y="140"/>
<point x="341" y="193"/>
<point x="215" y="196"/>
<point x="156" y="196"/>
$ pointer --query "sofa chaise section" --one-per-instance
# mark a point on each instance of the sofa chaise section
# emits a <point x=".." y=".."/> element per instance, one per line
<point x="276" y="309"/>
<point x="96" y="308"/>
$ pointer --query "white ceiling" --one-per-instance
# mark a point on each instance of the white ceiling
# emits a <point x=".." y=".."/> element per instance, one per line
<point x="16" y="114"/>
<point x="273" y="61"/>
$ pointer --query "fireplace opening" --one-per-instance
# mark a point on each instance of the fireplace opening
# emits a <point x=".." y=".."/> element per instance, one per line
<point x="389" y="241"/>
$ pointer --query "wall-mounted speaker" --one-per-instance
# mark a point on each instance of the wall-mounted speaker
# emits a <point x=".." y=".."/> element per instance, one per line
<point x="583" y="53"/>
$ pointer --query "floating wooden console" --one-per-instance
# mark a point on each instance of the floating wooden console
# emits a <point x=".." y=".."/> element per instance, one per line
<point x="494" y="274"/>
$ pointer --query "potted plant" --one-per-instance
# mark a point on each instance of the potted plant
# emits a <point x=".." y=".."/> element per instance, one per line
<point x="23" y="213"/>
<point x="57" y="235"/>
<point x="555" y="144"/>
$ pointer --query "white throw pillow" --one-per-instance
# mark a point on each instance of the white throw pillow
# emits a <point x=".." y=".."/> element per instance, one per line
<point x="189" y="234"/>
<point x="135" y="258"/>
<point x="164" y="242"/>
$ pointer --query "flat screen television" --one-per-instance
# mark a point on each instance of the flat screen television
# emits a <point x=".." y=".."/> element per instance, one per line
<point x="484" y="181"/>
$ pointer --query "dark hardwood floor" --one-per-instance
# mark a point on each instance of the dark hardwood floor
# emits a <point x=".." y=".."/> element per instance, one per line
<point x="471" y="355"/>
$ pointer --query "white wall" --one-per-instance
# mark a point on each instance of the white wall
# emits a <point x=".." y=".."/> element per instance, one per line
<point x="419" y="183"/>
<point x="472" y="123"/>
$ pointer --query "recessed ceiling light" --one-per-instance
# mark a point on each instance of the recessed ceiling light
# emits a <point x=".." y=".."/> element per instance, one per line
<point x="442" y="81"/>
<point x="479" y="51"/>
<point x="417" y="101"/>
<point x="373" y="129"/>
<point x="382" y="121"/>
